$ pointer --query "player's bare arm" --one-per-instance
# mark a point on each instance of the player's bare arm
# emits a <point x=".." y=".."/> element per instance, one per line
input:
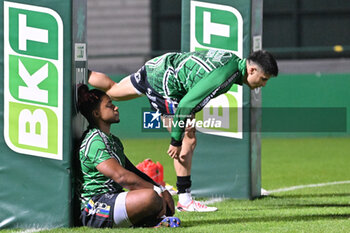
<point x="129" y="180"/>
<point x="167" y="199"/>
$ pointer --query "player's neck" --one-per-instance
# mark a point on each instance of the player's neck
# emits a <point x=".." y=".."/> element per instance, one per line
<point x="105" y="127"/>
<point x="245" y="79"/>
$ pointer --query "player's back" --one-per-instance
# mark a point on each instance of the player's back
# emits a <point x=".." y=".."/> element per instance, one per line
<point x="174" y="74"/>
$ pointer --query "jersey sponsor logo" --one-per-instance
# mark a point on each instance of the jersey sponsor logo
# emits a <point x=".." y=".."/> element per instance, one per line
<point x="216" y="26"/>
<point x="33" y="78"/>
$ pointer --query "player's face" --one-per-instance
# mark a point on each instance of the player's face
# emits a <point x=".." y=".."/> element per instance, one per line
<point x="108" y="111"/>
<point x="256" y="78"/>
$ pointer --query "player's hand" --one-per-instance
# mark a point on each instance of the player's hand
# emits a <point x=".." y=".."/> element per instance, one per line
<point x="169" y="203"/>
<point x="174" y="151"/>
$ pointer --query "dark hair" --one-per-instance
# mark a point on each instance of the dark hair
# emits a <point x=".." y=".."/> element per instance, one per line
<point x="88" y="101"/>
<point x="266" y="61"/>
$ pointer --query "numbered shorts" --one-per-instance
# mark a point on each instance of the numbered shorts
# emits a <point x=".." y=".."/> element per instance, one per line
<point x="166" y="106"/>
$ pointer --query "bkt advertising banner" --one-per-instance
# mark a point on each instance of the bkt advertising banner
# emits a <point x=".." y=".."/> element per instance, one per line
<point x="39" y="56"/>
<point x="220" y="27"/>
<point x="227" y="158"/>
<point x="33" y="77"/>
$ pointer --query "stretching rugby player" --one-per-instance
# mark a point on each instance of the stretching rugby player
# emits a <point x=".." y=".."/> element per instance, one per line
<point x="181" y="84"/>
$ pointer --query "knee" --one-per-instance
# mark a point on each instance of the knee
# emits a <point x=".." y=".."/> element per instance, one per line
<point x="190" y="137"/>
<point x="153" y="201"/>
<point x="192" y="141"/>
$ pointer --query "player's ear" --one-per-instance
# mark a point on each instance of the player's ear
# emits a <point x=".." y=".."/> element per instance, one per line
<point x="251" y="69"/>
<point x="95" y="113"/>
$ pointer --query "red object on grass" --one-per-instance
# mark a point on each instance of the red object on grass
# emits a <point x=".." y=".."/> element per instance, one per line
<point x="153" y="170"/>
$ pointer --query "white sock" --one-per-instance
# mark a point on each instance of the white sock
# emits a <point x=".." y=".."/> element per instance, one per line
<point x="185" y="198"/>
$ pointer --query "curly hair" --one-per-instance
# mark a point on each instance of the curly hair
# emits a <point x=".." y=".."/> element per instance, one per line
<point x="88" y="101"/>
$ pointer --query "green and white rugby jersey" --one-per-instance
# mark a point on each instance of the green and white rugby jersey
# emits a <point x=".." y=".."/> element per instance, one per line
<point x="193" y="79"/>
<point x="96" y="148"/>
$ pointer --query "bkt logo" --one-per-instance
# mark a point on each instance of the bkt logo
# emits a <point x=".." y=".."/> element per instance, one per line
<point x="219" y="27"/>
<point x="227" y="109"/>
<point x="33" y="80"/>
<point x="151" y="120"/>
<point x="216" y="26"/>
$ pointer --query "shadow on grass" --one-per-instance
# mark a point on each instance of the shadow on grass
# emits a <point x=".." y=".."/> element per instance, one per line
<point x="267" y="219"/>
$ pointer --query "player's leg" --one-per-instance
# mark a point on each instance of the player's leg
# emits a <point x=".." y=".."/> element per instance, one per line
<point x="143" y="207"/>
<point x="183" y="163"/>
<point x="183" y="166"/>
<point x="124" y="90"/>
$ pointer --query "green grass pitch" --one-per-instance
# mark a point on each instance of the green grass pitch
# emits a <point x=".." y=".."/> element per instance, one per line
<point x="285" y="163"/>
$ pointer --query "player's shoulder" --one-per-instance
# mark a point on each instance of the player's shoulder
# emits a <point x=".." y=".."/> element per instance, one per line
<point x="91" y="145"/>
<point x="116" y="139"/>
<point x="92" y="133"/>
<point x="214" y="54"/>
<point x="93" y="137"/>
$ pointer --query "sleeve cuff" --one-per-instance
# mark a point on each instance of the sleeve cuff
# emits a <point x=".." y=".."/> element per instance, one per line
<point x="174" y="142"/>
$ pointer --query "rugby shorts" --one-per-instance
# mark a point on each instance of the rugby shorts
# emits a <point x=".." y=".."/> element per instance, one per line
<point x="105" y="211"/>
<point x="165" y="106"/>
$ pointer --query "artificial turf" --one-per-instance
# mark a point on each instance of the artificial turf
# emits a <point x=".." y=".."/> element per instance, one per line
<point x="285" y="163"/>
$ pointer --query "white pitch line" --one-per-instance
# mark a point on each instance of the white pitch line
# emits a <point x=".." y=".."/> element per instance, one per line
<point x="33" y="230"/>
<point x="213" y="200"/>
<point x="307" y="186"/>
<point x="220" y="199"/>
